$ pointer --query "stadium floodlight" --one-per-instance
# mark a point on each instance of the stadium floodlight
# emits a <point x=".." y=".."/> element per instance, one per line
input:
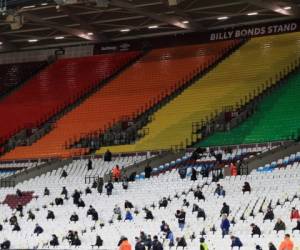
<point x="66" y="2"/>
<point x="174" y="2"/>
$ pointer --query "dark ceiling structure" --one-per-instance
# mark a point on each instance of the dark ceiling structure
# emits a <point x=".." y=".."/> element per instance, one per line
<point x="35" y="24"/>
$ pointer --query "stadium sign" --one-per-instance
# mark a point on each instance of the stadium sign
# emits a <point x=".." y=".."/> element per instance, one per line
<point x="254" y="31"/>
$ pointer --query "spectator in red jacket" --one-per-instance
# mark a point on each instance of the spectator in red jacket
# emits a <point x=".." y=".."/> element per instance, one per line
<point x="295" y="214"/>
<point x="233" y="169"/>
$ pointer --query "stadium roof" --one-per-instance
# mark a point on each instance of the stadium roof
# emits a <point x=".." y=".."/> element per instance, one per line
<point x="32" y="24"/>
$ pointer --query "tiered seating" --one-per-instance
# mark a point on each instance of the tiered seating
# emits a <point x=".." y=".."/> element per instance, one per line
<point x="270" y="122"/>
<point x="145" y="83"/>
<point x="13" y="74"/>
<point x="12" y="200"/>
<point x="243" y="73"/>
<point x="267" y="189"/>
<point x="54" y="88"/>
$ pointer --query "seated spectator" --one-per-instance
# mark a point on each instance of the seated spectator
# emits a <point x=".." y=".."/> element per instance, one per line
<point x="38" y="230"/>
<point x="76" y="196"/>
<point x="19" y="193"/>
<point x="54" y="241"/>
<point x="185" y="203"/>
<point x="181" y="242"/>
<point x="128" y="216"/>
<point x="164" y="227"/>
<point x="70" y="236"/>
<point x="64" y="192"/>
<point x="64" y="174"/>
<point x="201" y="213"/>
<point x="13" y="220"/>
<point x="76" y="241"/>
<point x="163" y="203"/>
<point x="124" y="244"/>
<point x="194" y="174"/>
<point x="117" y="211"/>
<point x="5" y="244"/>
<point x="80" y="203"/>
<point x="88" y="190"/>
<point x="59" y="201"/>
<point x="219" y="191"/>
<point x="16" y="227"/>
<point x="128" y="205"/>
<point x="148" y="171"/>
<point x="149" y="215"/>
<point x="246" y="187"/>
<point x="156" y="244"/>
<point x="269" y="214"/>
<point x="225" y="225"/>
<point x="148" y="242"/>
<point x="74" y="217"/>
<point x="255" y="230"/>
<point x="236" y="242"/>
<point x="287" y="243"/>
<point x="139" y="245"/>
<point x="258" y="247"/>
<point x="295" y="214"/>
<point x="90" y="165"/>
<point x="46" y="192"/>
<point x="109" y="187"/>
<point x="99" y="241"/>
<point x="125" y="184"/>
<point x="182" y="172"/>
<point x="107" y="156"/>
<point x="31" y="216"/>
<point x="279" y="226"/>
<point x="271" y="246"/>
<point x="19" y="208"/>
<point x="198" y="194"/>
<point x="90" y="210"/>
<point x="297" y="226"/>
<point x="50" y="215"/>
<point x="225" y="209"/>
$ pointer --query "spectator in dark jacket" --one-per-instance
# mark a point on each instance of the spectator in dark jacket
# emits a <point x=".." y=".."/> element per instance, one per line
<point x="16" y="227"/>
<point x="76" y="195"/>
<point x="46" y="192"/>
<point x="181" y="242"/>
<point x="50" y="215"/>
<point x="139" y="245"/>
<point x="109" y="187"/>
<point x="255" y="230"/>
<point x="31" y="216"/>
<point x="88" y="190"/>
<point x="80" y="203"/>
<point x="107" y="155"/>
<point x="54" y="241"/>
<point x="148" y="171"/>
<point x="38" y="230"/>
<point x="225" y="225"/>
<point x="164" y="227"/>
<point x="156" y="244"/>
<point x="74" y="217"/>
<point x="149" y="215"/>
<point x="182" y="172"/>
<point x="271" y="246"/>
<point x="180" y="215"/>
<point x="148" y="242"/>
<point x="163" y="202"/>
<point x="128" y="205"/>
<point x="246" y="187"/>
<point x="76" y="241"/>
<point x="269" y="214"/>
<point x="225" y="209"/>
<point x="236" y="242"/>
<point x="64" y="192"/>
<point x="5" y="244"/>
<point x="90" y="165"/>
<point x="64" y="174"/>
<point x="297" y="226"/>
<point x="198" y="194"/>
<point x="201" y="213"/>
<point x="279" y="226"/>
<point x="99" y="241"/>
<point x="194" y="174"/>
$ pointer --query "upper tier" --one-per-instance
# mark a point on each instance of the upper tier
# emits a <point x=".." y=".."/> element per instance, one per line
<point x="54" y="88"/>
<point x="145" y="83"/>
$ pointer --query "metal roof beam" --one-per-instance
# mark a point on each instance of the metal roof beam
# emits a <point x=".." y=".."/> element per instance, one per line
<point x="171" y="20"/>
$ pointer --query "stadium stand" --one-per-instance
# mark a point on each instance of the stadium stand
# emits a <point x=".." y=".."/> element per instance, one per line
<point x="229" y="84"/>
<point x="55" y="88"/>
<point x="11" y="75"/>
<point x="156" y="75"/>
<point x="277" y="189"/>
<point x="270" y="122"/>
